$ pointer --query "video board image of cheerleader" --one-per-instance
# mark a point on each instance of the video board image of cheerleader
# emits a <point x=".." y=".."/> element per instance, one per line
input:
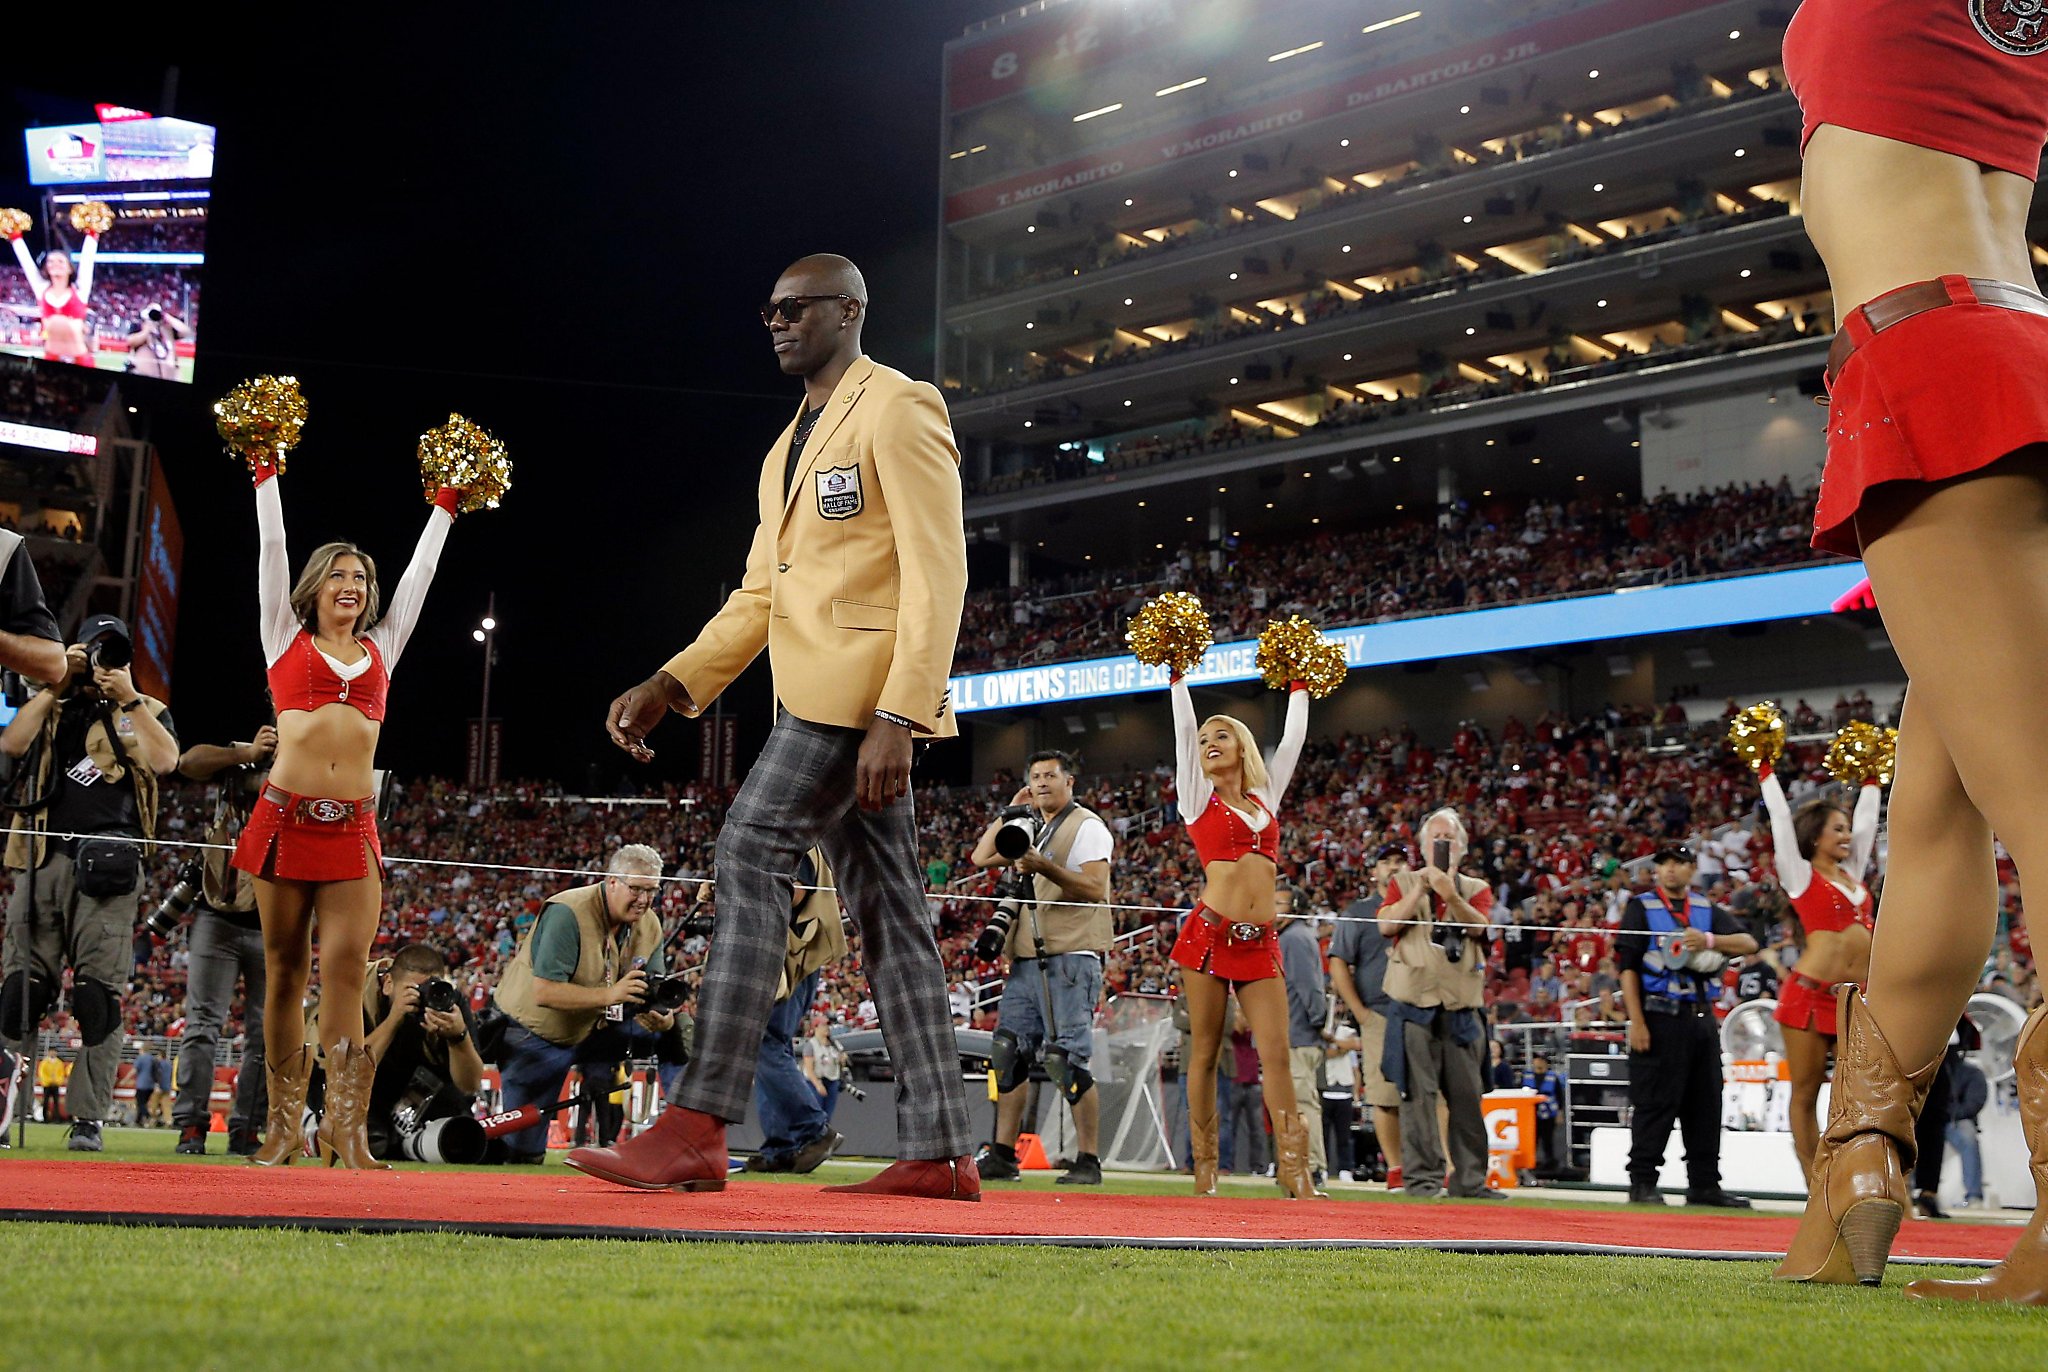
<point x="105" y="215"/>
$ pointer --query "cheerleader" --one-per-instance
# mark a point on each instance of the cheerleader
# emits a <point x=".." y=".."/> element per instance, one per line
<point x="1822" y="853"/>
<point x="66" y="335"/>
<point x="1229" y="797"/>
<point x="1923" y="132"/>
<point x="311" y="842"/>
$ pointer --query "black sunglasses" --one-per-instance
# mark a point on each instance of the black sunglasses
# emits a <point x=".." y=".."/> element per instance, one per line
<point x="791" y="307"/>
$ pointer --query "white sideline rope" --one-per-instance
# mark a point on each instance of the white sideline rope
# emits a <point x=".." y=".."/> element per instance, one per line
<point x="713" y="882"/>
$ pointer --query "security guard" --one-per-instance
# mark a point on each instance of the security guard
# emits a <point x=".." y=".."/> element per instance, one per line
<point x="1672" y="944"/>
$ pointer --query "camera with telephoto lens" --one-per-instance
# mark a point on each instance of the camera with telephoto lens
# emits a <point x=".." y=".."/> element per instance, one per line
<point x="1019" y="833"/>
<point x="437" y="994"/>
<point x="155" y="314"/>
<point x="448" y="1138"/>
<point x="111" y="650"/>
<point x="163" y="921"/>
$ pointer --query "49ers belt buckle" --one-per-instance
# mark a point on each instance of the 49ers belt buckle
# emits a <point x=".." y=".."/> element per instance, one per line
<point x="1244" y="931"/>
<point x="326" y="811"/>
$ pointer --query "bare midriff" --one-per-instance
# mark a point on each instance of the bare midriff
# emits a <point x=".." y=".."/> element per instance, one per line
<point x="63" y="334"/>
<point x="1241" y="891"/>
<point x="326" y="752"/>
<point x="1885" y="214"/>
<point x="1837" y="955"/>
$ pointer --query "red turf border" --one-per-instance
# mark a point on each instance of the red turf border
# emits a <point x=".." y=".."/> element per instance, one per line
<point x="559" y="1203"/>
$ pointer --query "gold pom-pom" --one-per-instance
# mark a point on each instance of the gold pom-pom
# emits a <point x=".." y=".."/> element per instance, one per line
<point x="261" y="418"/>
<point x="461" y="454"/>
<point x="1758" y="735"/>
<point x="1171" y="631"/>
<point x="1292" y="650"/>
<point x="1863" y="752"/>
<point x="93" y="217"/>
<point x="14" y="223"/>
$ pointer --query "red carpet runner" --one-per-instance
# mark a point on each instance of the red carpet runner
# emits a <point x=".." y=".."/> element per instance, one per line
<point x="558" y="1203"/>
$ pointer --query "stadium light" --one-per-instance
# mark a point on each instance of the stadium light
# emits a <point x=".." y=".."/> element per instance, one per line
<point x="1127" y="300"/>
<point x="1347" y="247"/>
<point x="1128" y="202"/>
<point x="1734" y="34"/>
<point x="1593" y="75"/>
<point x="486" y="633"/>
<point x="1182" y="86"/>
<point x="1599" y="186"/>
<point x="1464" y="109"/>
<point x="1092" y="114"/>
<point x="1389" y="23"/>
<point x="1233" y="173"/>
<point x="1745" y="273"/>
<point x="1295" y="52"/>
<point x="1343" y="142"/>
<point x="1742" y="152"/>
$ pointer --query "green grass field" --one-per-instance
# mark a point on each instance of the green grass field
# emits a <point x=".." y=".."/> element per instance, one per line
<point x="168" y="1299"/>
<point x="179" y="1299"/>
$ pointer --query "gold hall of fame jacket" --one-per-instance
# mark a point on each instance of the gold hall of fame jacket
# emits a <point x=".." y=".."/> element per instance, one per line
<point x="858" y="572"/>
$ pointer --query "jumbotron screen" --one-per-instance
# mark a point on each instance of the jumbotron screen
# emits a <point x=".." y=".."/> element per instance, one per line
<point x="105" y="209"/>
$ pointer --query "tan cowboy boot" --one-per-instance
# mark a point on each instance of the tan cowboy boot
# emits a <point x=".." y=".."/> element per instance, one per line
<point x="1291" y="1161"/>
<point x="282" y="1139"/>
<point x="343" y="1138"/>
<point x="1202" y="1145"/>
<point x="2023" y="1277"/>
<point x="1858" y="1192"/>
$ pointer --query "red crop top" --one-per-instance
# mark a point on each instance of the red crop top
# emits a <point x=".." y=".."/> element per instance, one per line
<point x="1825" y="908"/>
<point x="74" y="308"/>
<point x="303" y="679"/>
<point x="1967" y="77"/>
<point x="1221" y="835"/>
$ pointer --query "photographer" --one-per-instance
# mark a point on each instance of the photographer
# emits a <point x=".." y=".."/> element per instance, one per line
<point x="1055" y="929"/>
<point x="428" y="1068"/>
<point x="92" y="748"/>
<point x="593" y="959"/>
<point x="226" y="941"/>
<point x="1436" y="987"/>
<point x="153" y="344"/>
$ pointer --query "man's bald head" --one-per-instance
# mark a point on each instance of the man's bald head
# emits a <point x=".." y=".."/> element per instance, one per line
<point x="825" y="273"/>
<point x="818" y="333"/>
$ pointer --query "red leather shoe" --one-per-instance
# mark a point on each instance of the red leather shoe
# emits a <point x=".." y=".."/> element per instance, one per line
<point x="684" y="1150"/>
<point x="935" y="1179"/>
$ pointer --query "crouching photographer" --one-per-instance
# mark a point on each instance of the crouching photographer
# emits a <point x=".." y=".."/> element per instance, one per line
<point x="589" y="984"/>
<point x="1054" y="926"/>
<point x="423" y="1098"/>
<point x="92" y="748"/>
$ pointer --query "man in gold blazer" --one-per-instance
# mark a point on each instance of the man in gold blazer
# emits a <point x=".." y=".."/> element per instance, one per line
<point x="854" y="585"/>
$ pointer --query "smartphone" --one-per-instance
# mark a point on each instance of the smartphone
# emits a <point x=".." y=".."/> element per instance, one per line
<point x="1440" y="855"/>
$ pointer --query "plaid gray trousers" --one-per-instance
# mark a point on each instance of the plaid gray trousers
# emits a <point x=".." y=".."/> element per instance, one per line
<point x="800" y="792"/>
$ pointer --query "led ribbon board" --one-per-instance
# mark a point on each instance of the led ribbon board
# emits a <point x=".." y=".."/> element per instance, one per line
<point x="1509" y="628"/>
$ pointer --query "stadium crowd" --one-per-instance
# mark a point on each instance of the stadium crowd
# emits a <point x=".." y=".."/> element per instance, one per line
<point x="1495" y="552"/>
<point x="1562" y="812"/>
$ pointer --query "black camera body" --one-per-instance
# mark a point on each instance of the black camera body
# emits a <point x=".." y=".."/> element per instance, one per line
<point x="1022" y="827"/>
<point x="665" y="995"/>
<point x="698" y="926"/>
<point x="179" y="901"/>
<point x="437" y="994"/>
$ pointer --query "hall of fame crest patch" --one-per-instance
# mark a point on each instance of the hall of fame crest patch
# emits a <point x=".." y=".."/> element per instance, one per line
<point x="839" y="494"/>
